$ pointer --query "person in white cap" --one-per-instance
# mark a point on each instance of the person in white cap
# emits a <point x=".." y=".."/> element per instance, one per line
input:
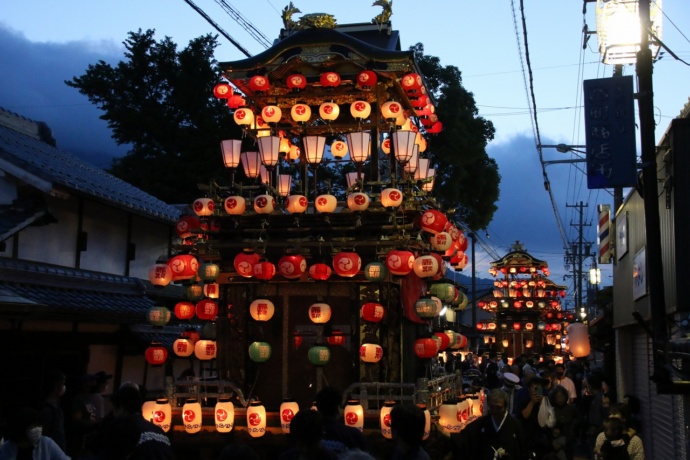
<point x="511" y="384"/>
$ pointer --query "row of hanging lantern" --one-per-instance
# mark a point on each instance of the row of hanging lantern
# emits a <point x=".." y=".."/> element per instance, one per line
<point x="519" y="270"/>
<point x="456" y="414"/>
<point x="489" y="326"/>
<point x="492" y="305"/>
<point x="525" y="288"/>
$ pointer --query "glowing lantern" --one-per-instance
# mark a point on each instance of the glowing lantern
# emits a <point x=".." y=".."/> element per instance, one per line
<point x="370" y="353"/>
<point x="403" y="145"/>
<point x="411" y="82"/>
<point x="262" y="309"/>
<point x="329" y="79"/>
<point x="452" y="337"/>
<point x="433" y="221"/>
<point x="259" y="83"/>
<point x="205" y="349"/>
<point x="271" y="114"/>
<point x="444" y="291"/>
<point x="183" y="347"/>
<point x="243" y="116"/>
<point x="292" y="266"/>
<point x="296" y="204"/>
<point x="529" y="326"/>
<point x="244" y="263"/>
<point x="420" y="101"/>
<point x="347" y="264"/>
<point x="264" y="204"/>
<point x="399" y="262"/>
<point x="339" y="149"/>
<point x="425" y="266"/>
<point x="359" y="144"/>
<point x="236" y="100"/>
<point x="391" y="197"/>
<point x="184" y="310"/>
<point x="329" y="111"/>
<point x="260" y="352"/>
<point x="207" y="309"/>
<point x="372" y="312"/>
<point x="184" y="267"/>
<point x="296" y="81"/>
<point x="460" y="260"/>
<point x="191" y="416"/>
<point x="224" y="415"/>
<point x="185" y="226"/>
<point x="156" y="354"/>
<point x="293" y="154"/>
<point x="325" y="203"/>
<point x="385" y="419"/>
<point x="441" y="266"/>
<point x="441" y="241"/>
<point x="320" y="313"/>
<point x="386" y="145"/>
<point x="366" y="79"/>
<point x="461" y="241"/>
<point x="449" y="417"/>
<point x="426" y="307"/>
<point x="160" y="275"/>
<point x="208" y="272"/>
<point x="425" y="348"/>
<point x="462" y="340"/>
<point x="301" y="113"/>
<point x="445" y="340"/>
<point x="360" y="110"/>
<point x="256" y="419"/>
<point x="578" y="340"/>
<point x="375" y="271"/>
<point x="319" y="355"/>
<point x="158" y="316"/>
<point x="336" y="338"/>
<point x="288" y="409"/>
<point x="427" y="420"/>
<point x="212" y="290"/>
<point x="354" y="414"/>
<point x="235" y="205"/>
<point x="222" y="91"/>
<point x="203" y="207"/>
<point x="159" y="413"/>
<point x="264" y="270"/>
<point x="320" y="272"/>
<point x="358" y="201"/>
<point x="393" y="112"/>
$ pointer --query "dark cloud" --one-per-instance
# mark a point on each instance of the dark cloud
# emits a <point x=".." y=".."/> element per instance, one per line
<point x="33" y="76"/>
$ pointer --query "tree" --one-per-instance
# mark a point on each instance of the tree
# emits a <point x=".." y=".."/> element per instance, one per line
<point x="467" y="179"/>
<point x="160" y="102"/>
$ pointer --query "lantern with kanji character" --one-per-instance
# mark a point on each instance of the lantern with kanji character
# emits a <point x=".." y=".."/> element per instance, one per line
<point x="385" y="419"/>
<point x="160" y="275"/>
<point x="320" y="271"/>
<point x="391" y="197"/>
<point x="244" y="263"/>
<point x="224" y="414"/>
<point x="296" y="81"/>
<point x="358" y="201"/>
<point x="399" y="262"/>
<point x="205" y="349"/>
<point x="320" y="313"/>
<point x="441" y="241"/>
<point x="191" y="416"/>
<point x="360" y="110"/>
<point x="296" y="204"/>
<point x="158" y="316"/>
<point x="208" y="272"/>
<point x="354" y="414"/>
<point x="347" y="264"/>
<point x="261" y="309"/>
<point x="444" y="291"/>
<point x="372" y="312"/>
<point x="260" y="352"/>
<point x="264" y="270"/>
<point x="235" y="205"/>
<point x="292" y="266"/>
<point x="319" y="355"/>
<point x="156" y="354"/>
<point x="288" y="409"/>
<point x="207" y="309"/>
<point x="425" y="266"/>
<point x="301" y="113"/>
<point x="366" y="79"/>
<point x="212" y="290"/>
<point x="370" y="353"/>
<point x="336" y="338"/>
<point x="256" y="419"/>
<point x="183" y="347"/>
<point x="425" y="348"/>
<point x="325" y="203"/>
<point x="243" y="116"/>
<point x="184" y="310"/>
<point x="264" y="204"/>
<point x="183" y="266"/>
<point x="375" y="271"/>
<point x="426" y="307"/>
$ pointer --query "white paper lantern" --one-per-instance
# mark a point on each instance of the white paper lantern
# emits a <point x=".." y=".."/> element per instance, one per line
<point x="205" y="349"/>
<point x="427" y="421"/>
<point x="147" y="410"/>
<point x="256" y="419"/>
<point x="339" y="149"/>
<point x="391" y="197"/>
<point x="354" y="414"/>
<point x="264" y="204"/>
<point x="448" y="417"/>
<point x="329" y="111"/>
<point x="271" y="114"/>
<point x="235" y="205"/>
<point x="288" y="409"/>
<point x="385" y="419"/>
<point x="224" y="415"/>
<point x="358" y="201"/>
<point x="297" y="204"/>
<point x="360" y="110"/>
<point x="191" y="416"/>
<point x="203" y="207"/>
<point x="325" y="203"/>
<point x="320" y="313"/>
<point x="183" y="347"/>
<point x="161" y="414"/>
<point x="261" y="309"/>
<point x="243" y="116"/>
<point x="370" y="353"/>
<point x="425" y="266"/>
<point x="300" y="113"/>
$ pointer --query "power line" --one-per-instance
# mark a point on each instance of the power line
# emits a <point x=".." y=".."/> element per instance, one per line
<point x="245" y="24"/>
<point x="218" y="28"/>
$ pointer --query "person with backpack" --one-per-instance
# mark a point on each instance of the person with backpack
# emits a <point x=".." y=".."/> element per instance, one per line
<point x="615" y="443"/>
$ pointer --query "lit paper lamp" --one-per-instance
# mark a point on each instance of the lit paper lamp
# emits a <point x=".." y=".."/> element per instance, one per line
<point x="425" y="266"/>
<point x="320" y="313"/>
<point x="264" y="204"/>
<point x="256" y="419"/>
<point x="578" y="339"/>
<point x="375" y="271"/>
<point x="358" y="201"/>
<point x="319" y="355"/>
<point x="191" y="416"/>
<point x="147" y="410"/>
<point x="370" y="353"/>
<point x="261" y="310"/>
<point x="224" y="415"/>
<point x="385" y="419"/>
<point x="251" y="163"/>
<point x="205" y="349"/>
<point x="235" y="205"/>
<point x="297" y="204"/>
<point x="448" y="417"/>
<point x="161" y="414"/>
<point x="160" y="275"/>
<point x="391" y="197"/>
<point x="260" y="352"/>
<point x="354" y="414"/>
<point x="158" y="316"/>
<point x="427" y="420"/>
<point x="359" y="144"/>
<point x="403" y="145"/>
<point x="325" y="203"/>
<point x="288" y="409"/>
<point x="183" y="347"/>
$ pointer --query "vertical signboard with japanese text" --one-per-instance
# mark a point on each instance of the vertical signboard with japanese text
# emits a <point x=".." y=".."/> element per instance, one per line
<point x="610" y="132"/>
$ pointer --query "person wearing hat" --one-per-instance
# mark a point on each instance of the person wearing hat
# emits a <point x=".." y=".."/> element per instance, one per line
<point x="511" y="385"/>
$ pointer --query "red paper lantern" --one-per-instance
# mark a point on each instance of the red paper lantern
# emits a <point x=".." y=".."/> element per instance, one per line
<point x="186" y="226"/>
<point x="372" y="312"/>
<point x="441" y="266"/>
<point x="244" y="263"/>
<point x="347" y="264"/>
<point x="445" y="340"/>
<point x="184" y="310"/>
<point x="156" y="354"/>
<point x="411" y="82"/>
<point x="366" y="79"/>
<point x="517" y="326"/>
<point x="320" y="272"/>
<point x="399" y="262"/>
<point x="433" y="221"/>
<point x="336" y="338"/>
<point x="207" y="309"/>
<point x="236" y="101"/>
<point x="222" y="91"/>
<point x="419" y="102"/>
<point x="425" y="348"/>
<point x="292" y="266"/>
<point x="296" y="81"/>
<point x="329" y="79"/>
<point x="459" y="260"/>
<point x="264" y="270"/>
<point x="258" y="83"/>
<point x="184" y="267"/>
<point x="462" y="340"/>
<point x="461" y="241"/>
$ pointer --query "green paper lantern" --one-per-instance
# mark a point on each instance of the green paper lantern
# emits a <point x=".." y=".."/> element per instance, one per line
<point x="444" y="291"/>
<point x="208" y="272"/>
<point x="426" y="307"/>
<point x="375" y="271"/>
<point x="259" y="352"/>
<point x="460" y="301"/>
<point x="319" y="355"/>
<point x="158" y="316"/>
<point x="194" y="292"/>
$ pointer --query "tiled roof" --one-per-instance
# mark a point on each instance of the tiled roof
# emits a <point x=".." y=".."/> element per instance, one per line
<point x="64" y="170"/>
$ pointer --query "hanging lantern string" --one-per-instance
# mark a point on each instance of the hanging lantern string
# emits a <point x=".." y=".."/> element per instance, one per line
<point x="251" y="390"/>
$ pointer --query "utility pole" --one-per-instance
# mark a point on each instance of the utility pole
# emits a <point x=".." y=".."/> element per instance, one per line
<point x="579" y="251"/>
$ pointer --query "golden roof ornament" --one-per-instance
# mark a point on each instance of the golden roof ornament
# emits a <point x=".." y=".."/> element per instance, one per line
<point x="386" y="14"/>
